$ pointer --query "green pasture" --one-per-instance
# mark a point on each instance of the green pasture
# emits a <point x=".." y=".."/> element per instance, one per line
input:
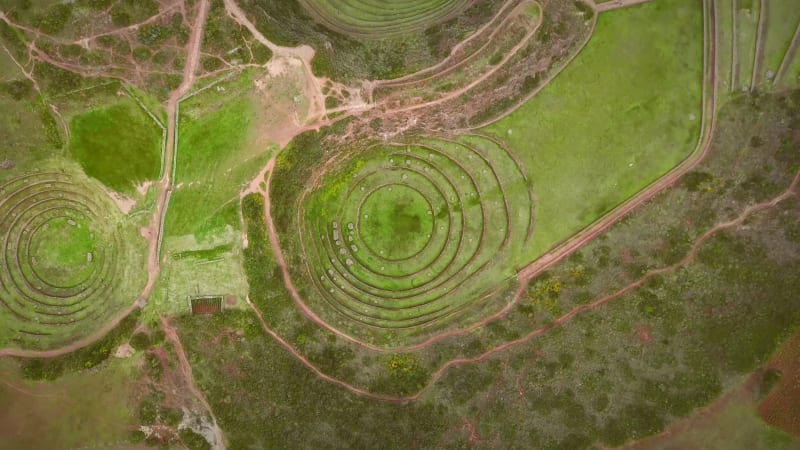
<point x="217" y="155"/>
<point x="791" y="78"/>
<point x="396" y="223"/>
<point x="78" y="410"/>
<point x="379" y="19"/>
<point x="724" y="11"/>
<point x="119" y="145"/>
<point x="746" y="36"/>
<point x="623" y="113"/>
<point x="783" y="18"/>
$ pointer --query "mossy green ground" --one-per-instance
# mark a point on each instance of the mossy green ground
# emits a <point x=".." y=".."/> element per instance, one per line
<point x="782" y="21"/>
<point x="117" y="144"/>
<point x="59" y="251"/>
<point x="623" y="113"/>
<point x="395" y="223"/>
<point x="405" y="234"/>
<point x="747" y="31"/>
<point x="77" y="410"/>
<point x="217" y="154"/>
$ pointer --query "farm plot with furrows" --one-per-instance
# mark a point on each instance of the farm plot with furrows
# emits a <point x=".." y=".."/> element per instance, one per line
<point x="374" y="18"/>
<point x="406" y="234"/>
<point x="64" y="259"/>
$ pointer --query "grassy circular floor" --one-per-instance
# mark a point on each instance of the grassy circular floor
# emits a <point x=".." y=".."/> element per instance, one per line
<point x="395" y="221"/>
<point x="62" y="250"/>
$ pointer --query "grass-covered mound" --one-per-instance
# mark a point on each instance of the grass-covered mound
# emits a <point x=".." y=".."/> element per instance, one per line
<point x="118" y="145"/>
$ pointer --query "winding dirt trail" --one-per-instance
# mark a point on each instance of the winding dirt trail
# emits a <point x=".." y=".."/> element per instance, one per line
<point x="304" y="53"/>
<point x="186" y="370"/>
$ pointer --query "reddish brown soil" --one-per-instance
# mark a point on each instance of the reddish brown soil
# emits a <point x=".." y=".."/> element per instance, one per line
<point x="230" y="300"/>
<point x="644" y="333"/>
<point x="781" y="408"/>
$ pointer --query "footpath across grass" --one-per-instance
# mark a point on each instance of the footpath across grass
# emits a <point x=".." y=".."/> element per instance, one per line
<point x="621" y="115"/>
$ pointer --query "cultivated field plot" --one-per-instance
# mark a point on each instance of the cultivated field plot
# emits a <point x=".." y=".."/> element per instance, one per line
<point x="407" y="234"/>
<point x="378" y="19"/>
<point x="69" y="265"/>
<point x="623" y="113"/>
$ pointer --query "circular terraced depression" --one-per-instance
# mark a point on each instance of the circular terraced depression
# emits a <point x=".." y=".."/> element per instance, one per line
<point x="61" y="258"/>
<point x="405" y="235"/>
<point x="379" y="18"/>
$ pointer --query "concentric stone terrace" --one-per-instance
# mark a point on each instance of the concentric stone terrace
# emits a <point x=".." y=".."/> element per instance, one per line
<point x="405" y="235"/>
<point x="59" y="261"/>
<point x="380" y="18"/>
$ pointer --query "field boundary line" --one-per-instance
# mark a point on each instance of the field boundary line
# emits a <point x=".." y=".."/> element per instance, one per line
<point x="788" y="56"/>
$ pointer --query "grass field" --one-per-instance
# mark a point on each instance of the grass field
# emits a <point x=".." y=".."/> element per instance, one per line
<point x="117" y="144"/>
<point x="378" y="20"/>
<point x="217" y="153"/>
<point x="61" y="248"/>
<point x="791" y="78"/>
<point x="746" y="34"/>
<point x="724" y="12"/>
<point x="78" y="410"/>
<point x="396" y="223"/>
<point x="782" y="20"/>
<point x="623" y="113"/>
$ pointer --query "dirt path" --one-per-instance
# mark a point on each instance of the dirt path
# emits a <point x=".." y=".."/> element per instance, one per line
<point x="186" y="370"/>
<point x="789" y="56"/>
<point x="304" y="53"/>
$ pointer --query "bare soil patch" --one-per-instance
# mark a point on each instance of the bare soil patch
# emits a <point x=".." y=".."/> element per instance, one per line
<point x="781" y="408"/>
